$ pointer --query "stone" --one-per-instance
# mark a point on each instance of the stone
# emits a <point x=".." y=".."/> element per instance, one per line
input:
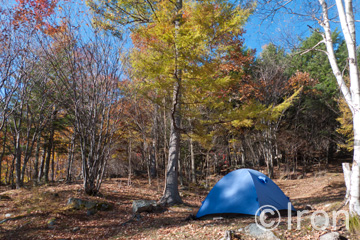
<point x="52" y="222"/>
<point x="77" y="203"/>
<point x="327" y="205"/>
<point x="139" y="206"/>
<point x="8" y="215"/>
<point x="253" y="230"/>
<point x="330" y="236"/>
<point x="308" y="207"/>
<point x="104" y="206"/>
<point x="229" y="234"/>
<point x="321" y="221"/>
<point x="90" y="212"/>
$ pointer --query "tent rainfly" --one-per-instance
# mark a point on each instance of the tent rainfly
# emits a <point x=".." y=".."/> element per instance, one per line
<point x="243" y="191"/>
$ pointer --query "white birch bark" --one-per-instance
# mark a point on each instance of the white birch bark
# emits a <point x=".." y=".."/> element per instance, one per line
<point x="347" y="176"/>
<point x="351" y="96"/>
<point x="354" y="203"/>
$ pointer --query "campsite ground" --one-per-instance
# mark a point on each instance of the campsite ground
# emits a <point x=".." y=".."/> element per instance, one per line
<point x="41" y="212"/>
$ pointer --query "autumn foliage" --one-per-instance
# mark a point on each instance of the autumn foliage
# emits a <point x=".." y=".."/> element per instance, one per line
<point x="36" y="14"/>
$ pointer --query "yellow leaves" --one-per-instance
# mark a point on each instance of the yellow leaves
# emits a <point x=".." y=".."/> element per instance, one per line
<point x="242" y="123"/>
<point x="208" y="32"/>
<point x="277" y="111"/>
<point x="346" y="125"/>
<point x="205" y="140"/>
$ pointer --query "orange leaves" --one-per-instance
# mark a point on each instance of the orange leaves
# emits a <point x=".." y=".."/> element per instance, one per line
<point x="147" y="36"/>
<point x="236" y="63"/>
<point x="300" y="79"/>
<point x="35" y="13"/>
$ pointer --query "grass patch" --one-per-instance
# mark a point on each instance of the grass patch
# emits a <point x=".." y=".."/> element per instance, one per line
<point x="354" y="225"/>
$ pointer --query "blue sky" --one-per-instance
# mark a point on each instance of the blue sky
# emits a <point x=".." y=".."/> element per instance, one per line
<point x="281" y="31"/>
<point x="285" y="29"/>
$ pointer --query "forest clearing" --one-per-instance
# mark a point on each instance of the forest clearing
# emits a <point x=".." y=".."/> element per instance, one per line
<point x="35" y="208"/>
<point x="118" y="118"/>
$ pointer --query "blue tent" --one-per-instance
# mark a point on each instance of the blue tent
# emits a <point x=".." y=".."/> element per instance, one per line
<point x="243" y="191"/>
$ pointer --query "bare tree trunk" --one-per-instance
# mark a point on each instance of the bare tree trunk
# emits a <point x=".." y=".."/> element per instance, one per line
<point x="180" y="171"/>
<point x="53" y="164"/>
<point x="50" y="146"/>
<point x="3" y="150"/>
<point x="7" y="179"/>
<point x="192" y="157"/>
<point x="252" y="151"/>
<point x="18" y="161"/>
<point x="130" y="165"/>
<point x="11" y="177"/>
<point x="42" y="164"/>
<point x="146" y="157"/>
<point x="153" y="160"/>
<point x="70" y="158"/>
<point x="165" y="137"/>
<point x="48" y="156"/>
<point x="171" y="194"/>
<point x="37" y="155"/>
<point x="153" y="155"/>
<point x="155" y="146"/>
<point x="236" y="156"/>
<point x="243" y="159"/>
<point x="207" y="169"/>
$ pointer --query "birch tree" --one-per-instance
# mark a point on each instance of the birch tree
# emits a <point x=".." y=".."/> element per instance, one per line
<point x="328" y="17"/>
<point x="351" y="93"/>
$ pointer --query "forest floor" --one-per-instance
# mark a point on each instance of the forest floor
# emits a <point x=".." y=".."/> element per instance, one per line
<point x="41" y="212"/>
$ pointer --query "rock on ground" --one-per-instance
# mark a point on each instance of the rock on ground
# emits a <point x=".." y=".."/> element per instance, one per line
<point x="321" y="221"/>
<point x="331" y="236"/>
<point x="228" y="235"/>
<point x="259" y="233"/>
<point x="140" y="206"/>
<point x="78" y="204"/>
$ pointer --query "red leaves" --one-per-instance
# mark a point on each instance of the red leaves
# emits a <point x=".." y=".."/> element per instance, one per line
<point x="35" y="13"/>
<point x="300" y="79"/>
<point x="236" y="63"/>
<point x="236" y="58"/>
